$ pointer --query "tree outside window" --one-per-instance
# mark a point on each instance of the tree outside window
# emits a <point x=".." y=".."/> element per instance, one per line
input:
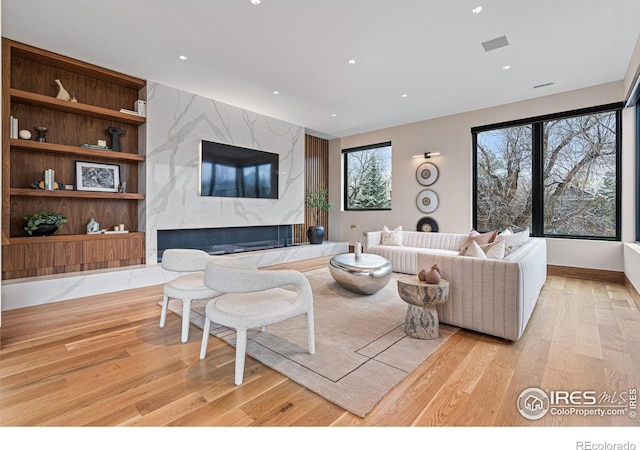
<point x="367" y="172"/>
<point x="557" y="175"/>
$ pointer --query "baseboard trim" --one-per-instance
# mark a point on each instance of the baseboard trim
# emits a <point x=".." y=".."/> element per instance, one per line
<point x="635" y="295"/>
<point x="608" y="276"/>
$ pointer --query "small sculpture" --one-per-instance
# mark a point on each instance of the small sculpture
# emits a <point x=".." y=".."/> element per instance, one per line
<point x="122" y="187"/>
<point x="93" y="226"/>
<point x="73" y="98"/>
<point x="24" y="134"/>
<point x="41" y="133"/>
<point x="433" y="276"/>
<point x="115" y="133"/>
<point x="62" y="92"/>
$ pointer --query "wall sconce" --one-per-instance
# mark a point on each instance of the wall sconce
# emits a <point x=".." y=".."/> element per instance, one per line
<point x="426" y="155"/>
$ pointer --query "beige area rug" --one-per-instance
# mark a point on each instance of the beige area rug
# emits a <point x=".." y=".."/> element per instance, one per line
<point x="362" y="351"/>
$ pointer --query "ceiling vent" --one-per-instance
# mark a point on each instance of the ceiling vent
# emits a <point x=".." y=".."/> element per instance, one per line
<point x="495" y="43"/>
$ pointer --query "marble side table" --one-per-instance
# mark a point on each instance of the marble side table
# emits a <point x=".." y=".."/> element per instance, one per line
<point x="422" y="298"/>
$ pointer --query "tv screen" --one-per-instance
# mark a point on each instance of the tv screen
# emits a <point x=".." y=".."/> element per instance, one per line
<point x="230" y="171"/>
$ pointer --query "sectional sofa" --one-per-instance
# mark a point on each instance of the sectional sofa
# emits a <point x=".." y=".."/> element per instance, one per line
<point x="492" y="296"/>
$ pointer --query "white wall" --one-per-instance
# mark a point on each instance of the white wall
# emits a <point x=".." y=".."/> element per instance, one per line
<point x="177" y="122"/>
<point x="451" y="136"/>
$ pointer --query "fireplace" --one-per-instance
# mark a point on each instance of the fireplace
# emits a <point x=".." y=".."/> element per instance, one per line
<point x="220" y="241"/>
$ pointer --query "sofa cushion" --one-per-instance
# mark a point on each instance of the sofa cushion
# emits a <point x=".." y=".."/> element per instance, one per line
<point x="392" y="237"/>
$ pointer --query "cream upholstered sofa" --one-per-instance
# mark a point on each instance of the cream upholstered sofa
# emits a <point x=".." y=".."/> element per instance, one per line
<point x="492" y="296"/>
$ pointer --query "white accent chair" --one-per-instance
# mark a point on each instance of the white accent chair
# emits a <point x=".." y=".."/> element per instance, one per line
<point x="186" y="287"/>
<point x="254" y="299"/>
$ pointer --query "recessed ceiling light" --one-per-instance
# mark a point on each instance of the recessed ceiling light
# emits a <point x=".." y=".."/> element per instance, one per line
<point x="182" y="58"/>
<point x="404" y="96"/>
<point x="506" y="67"/>
<point x="477" y="10"/>
<point x="333" y="115"/>
<point x="255" y="2"/>
<point x="352" y="61"/>
<point x="276" y="93"/>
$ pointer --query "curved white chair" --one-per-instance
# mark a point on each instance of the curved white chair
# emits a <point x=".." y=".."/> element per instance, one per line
<point x="186" y="287"/>
<point x="254" y="299"/>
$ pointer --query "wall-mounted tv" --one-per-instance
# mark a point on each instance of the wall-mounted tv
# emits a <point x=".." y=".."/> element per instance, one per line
<point x="230" y="171"/>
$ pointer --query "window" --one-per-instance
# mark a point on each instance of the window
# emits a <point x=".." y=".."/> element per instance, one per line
<point x="557" y="175"/>
<point x="367" y="177"/>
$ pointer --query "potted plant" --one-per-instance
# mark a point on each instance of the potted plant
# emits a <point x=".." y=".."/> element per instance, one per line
<point x="43" y="223"/>
<point x="317" y="201"/>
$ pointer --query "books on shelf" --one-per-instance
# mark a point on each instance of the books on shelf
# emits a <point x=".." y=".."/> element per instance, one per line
<point x="95" y="147"/>
<point x="13" y="129"/>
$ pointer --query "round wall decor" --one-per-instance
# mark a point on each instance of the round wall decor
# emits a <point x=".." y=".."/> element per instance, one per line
<point x="427" y="201"/>
<point x="427" y="225"/>
<point x="427" y="174"/>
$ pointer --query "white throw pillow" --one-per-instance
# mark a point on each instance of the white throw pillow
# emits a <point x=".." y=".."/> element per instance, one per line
<point x="513" y="240"/>
<point x="474" y="250"/>
<point x="392" y="237"/>
<point x="495" y="250"/>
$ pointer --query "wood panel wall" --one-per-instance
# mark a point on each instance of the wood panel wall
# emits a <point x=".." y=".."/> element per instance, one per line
<point x="316" y="174"/>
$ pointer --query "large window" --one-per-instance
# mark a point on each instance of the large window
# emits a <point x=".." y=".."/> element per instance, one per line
<point x="367" y="177"/>
<point x="557" y="175"/>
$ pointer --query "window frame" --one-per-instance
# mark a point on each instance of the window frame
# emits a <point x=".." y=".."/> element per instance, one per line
<point x="537" y="190"/>
<point x="345" y="187"/>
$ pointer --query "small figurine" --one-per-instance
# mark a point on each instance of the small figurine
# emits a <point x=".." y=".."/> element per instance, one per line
<point x="93" y="226"/>
<point x="115" y="133"/>
<point x="41" y="134"/>
<point x="62" y="92"/>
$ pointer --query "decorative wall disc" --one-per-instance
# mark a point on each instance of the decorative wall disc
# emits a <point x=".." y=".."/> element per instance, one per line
<point x="427" y="174"/>
<point x="427" y="225"/>
<point x="427" y="201"/>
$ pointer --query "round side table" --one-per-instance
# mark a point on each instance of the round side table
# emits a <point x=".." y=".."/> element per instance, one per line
<point x="422" y="298"/>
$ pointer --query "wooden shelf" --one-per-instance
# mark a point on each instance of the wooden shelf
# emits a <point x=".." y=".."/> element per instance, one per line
<point x="43" y="101"/>
<point x="21" y="192"/>
<point x="74" y="65"/>
<point x="73" y="238"/>
<point x="20" y="144"/>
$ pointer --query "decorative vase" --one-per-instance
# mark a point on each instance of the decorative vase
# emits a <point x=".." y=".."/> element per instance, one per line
<point x="44" y="229"/>
<point x="115" y="133"/>
<point x="315" y="235"/>
<point x="432" y="276"/>
<point x="62" y="92"/>
<point x="357" y="249"/>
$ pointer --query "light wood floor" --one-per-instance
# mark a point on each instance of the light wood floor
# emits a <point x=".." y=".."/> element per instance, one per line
<point x="103" y="361"/>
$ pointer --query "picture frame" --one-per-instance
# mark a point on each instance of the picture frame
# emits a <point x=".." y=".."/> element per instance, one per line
<point x="97" y="177"/>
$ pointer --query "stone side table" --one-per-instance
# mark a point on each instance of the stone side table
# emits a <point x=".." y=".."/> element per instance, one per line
<point x="422" y="298"/>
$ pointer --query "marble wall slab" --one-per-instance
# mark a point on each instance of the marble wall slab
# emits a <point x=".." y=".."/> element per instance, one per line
<point x="177" y="122"/>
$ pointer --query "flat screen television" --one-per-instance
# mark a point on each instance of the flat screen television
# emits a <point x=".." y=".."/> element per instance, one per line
<point x="230" y="171"/>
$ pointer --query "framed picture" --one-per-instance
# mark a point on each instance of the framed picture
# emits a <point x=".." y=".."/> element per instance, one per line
<point x="97" y="177"/>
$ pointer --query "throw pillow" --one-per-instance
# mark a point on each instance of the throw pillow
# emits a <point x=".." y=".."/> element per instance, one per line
<point x="392" y="237"/>
<point x="474" y="250"/>
<point x="513" y="240"/>
<point x="481" y="238"/>
<point x="495" y="250"/>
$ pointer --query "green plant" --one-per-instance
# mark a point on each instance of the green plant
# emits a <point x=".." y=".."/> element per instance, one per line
<point x="317" y="201"/>
<point x="33" y="221"/>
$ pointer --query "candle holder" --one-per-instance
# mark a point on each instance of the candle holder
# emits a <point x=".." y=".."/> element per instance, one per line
<point x="41" y="134"/>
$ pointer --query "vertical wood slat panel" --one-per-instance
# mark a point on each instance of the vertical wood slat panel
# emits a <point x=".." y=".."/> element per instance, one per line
<point x="316" y="174"/>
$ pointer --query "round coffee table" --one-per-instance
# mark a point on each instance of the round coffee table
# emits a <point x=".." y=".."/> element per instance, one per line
<point x="422" y="298"/>
<point x="366" y="274"/>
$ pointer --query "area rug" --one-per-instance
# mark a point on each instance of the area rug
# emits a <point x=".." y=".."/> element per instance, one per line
<point x="362" y="351"/>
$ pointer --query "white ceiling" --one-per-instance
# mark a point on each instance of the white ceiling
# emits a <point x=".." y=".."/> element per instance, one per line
<point x="430" y="50"/>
